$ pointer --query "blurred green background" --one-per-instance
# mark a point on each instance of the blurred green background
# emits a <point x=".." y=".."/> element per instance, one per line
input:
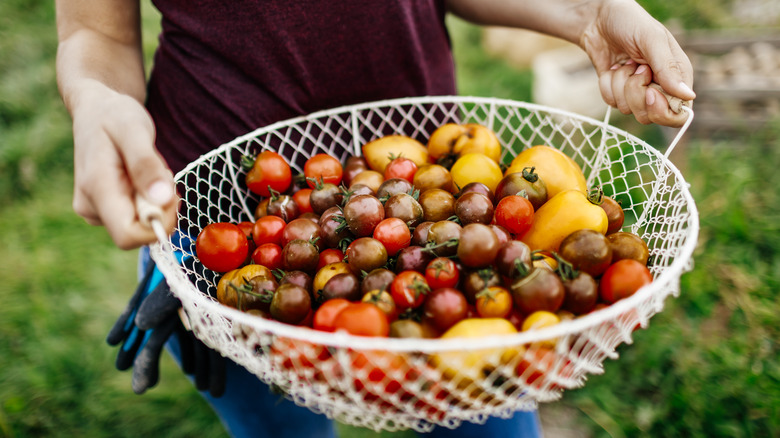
<point x="706" y="366"/>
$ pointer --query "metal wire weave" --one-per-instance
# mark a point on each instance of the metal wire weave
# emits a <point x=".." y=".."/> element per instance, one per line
<point x="395" y="384"/>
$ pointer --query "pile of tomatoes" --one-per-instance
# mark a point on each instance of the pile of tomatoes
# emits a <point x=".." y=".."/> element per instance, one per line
<point x="425" y="240"/>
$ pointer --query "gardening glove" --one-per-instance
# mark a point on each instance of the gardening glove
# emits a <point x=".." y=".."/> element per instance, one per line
<point x="148" y="321"/>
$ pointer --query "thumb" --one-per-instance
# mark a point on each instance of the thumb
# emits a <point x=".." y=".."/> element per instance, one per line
<point x="672" y="69"/>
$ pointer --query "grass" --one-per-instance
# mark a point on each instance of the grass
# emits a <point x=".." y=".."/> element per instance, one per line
<point x="706" y="366"/>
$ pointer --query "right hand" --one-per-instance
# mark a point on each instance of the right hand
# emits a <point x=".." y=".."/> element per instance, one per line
<point x="115" y="159"/>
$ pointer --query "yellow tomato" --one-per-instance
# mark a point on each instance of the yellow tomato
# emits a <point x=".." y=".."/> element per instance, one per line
<point x="327" y="272"/>
<point x="452" y="139"/>
<point x="558" y="171"/>
<point x="378" y="152"/>
<point x="539" y="320"/>
<point x="563" y="214"/>
<point x="476" y="167"/>
<point x="471" y="366"/>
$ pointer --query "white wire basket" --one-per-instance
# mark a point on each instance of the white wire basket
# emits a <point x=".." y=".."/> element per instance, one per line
<point x="393" y="384"/>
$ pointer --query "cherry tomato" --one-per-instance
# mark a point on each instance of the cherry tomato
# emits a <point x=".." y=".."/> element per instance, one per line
<point x="328" y="256"/>
<point x="445" y="306"/>
<point x="246" y="227"/>
<point x="268" y="229"/>
<point x="494" y="302"/>
<point x="291" y="303"/>
<point x="362" y="319"/>
<point x="322" y="167"/>
<point x="515" y="213"/>
<point x="442" y="272"/>
<point x="325" y="316"/>
<point x="222" y="246"/>
<point x="268" y="255"/>
<point x="301" y="198"/>
<point x="622" y="279"/>
<point x="394" y="234"/>
<point x="270" y="171"/>
<point x="409" y="289"/>
<point x="401" y="167"/>
<point x="383" y="300"/>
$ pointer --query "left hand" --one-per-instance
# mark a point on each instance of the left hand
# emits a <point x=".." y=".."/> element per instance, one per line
<point x="630" y="49"/>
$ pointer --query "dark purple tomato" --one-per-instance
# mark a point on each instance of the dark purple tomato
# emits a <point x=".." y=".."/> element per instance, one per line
<point x="413" y="258"/>
<point x="291" y="304"/>
<point x="539" y="290"/>
<point x="403" y="206"/>
<point x="363" y="213"/>
<point x="366" y="254"/>
<point x="445" y="306"/>
<point x="473" y="207"/>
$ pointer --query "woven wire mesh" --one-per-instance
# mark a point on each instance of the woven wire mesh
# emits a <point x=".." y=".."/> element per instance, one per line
<point x="391" y="384"/>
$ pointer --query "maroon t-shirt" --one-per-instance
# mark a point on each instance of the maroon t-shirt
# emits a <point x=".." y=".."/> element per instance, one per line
<point x="224" y="68"/>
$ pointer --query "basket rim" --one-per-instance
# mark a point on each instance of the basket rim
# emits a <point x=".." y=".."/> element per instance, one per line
<point x="670" y="275"/>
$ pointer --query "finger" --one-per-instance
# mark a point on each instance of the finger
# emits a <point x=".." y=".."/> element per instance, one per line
<point x="659" y="112"/>
<point x="605" y="85"/>
<point x="619" y="79"/>
<point x="159" y="306"/>
<point x="635" y="93"/>
<point x="146" y="366"/>
<point x="671" y="67"/>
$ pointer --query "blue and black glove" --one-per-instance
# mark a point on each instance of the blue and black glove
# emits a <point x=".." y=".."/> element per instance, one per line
<point x="151" y="317"/>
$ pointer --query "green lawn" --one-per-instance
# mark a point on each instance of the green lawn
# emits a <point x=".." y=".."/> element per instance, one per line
<point x="706" y="366"/>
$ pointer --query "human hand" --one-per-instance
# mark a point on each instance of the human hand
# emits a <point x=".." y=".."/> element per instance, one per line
<point x="630" y="50"/>
<point x="114" y="160"/>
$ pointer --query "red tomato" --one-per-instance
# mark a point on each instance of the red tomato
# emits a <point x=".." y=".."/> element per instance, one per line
<point x="268" y="229"/>
<point x="328" y="256"/>
<point x="246" y="227"/>
<point x="268" y="255"/>
<point x="301" y="198"/>
<point x="442" y="272"/>
<point x="222" y="246"/>
<point x="394" y="235"/>
<point x="401" y="167"/>
<point x="515" y="213"/>
<point x="622" y="279"/>
<point x="536" y="365"/>
<point x="446" y="306"/>
<point x="386" y="373"/>
<point x="409" y="289"/>
<point x="325" y="316"/>
<point x="269" y="172"/>
<point x="362" y="319"/>
<point x="322" y="166"/>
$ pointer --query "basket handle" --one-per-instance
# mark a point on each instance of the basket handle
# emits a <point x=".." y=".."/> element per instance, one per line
<point x="677" y="105"/>
<point x="150" y="215"/>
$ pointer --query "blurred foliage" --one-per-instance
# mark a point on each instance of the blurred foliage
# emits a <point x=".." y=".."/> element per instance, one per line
<point x="706" y="366"/>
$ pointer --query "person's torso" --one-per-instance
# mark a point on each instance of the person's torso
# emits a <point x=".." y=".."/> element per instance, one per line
<point x="225" y="68"/>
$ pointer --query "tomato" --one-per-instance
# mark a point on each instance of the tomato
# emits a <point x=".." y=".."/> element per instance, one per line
<point x="377" y="152"/>
<point x="362" y="319"/>
<point x="454" y="140"/>
<point x="302" y="199"/>
<point x="268" y="229"/>
<point x="302" y="228"/>
<point x="526" y="182"/>
<point x="363" y="213"/>
<point x="268" y="255"/>
<point x="622" y="279"/>
<point x="445" y="307"/>
<point x="328" y="256"/>
<point x="325" y="316"/>
<point x="494" y="302"/>
<point x="627" y="245"/>
<point x="366" y="254"/>
<point x="222" y="246"/>
<point x="432" y="176"/>
<point x="393" y="234"/>
<point x="326" y="273"/>
<point x="382" y="374"/>
<point x="588" y="251"/>
<point x="540" y="290"/>
<point x="536" y="365"/>
<point x="401" y="167"/>
<point x="442" y="272"/>
<point x="270" y="172"/>
<point x="558" y="171"/>
<point x="246" y="227"/>
<point x="563" y="214"/>
<point x="409" y="289"/>
<point x="291" y="303"/>
<point x="615" y="214"/>
<point x="383" y="300"/>
<point x="322" y="167"/>
<point x="478" y="246"/>
<point x="515" y="213"/>
<point x="476" y="167"/>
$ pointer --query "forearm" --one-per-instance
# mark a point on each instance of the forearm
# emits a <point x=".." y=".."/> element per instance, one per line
<point x="99" y="50"/>
<point x="565" y="19"/>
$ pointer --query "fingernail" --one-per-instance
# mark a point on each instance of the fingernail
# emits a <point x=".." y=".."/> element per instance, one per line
<point x="159" y="192"/>
<point x="641" y="69"/>
<point x="686" y="88"/>
<point x="650" y="97"/>
<point x="615" y="67"/>
<point x="630" y="62"/>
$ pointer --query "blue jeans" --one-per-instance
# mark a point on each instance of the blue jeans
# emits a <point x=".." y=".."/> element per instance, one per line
<point x="249" y="409"/>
